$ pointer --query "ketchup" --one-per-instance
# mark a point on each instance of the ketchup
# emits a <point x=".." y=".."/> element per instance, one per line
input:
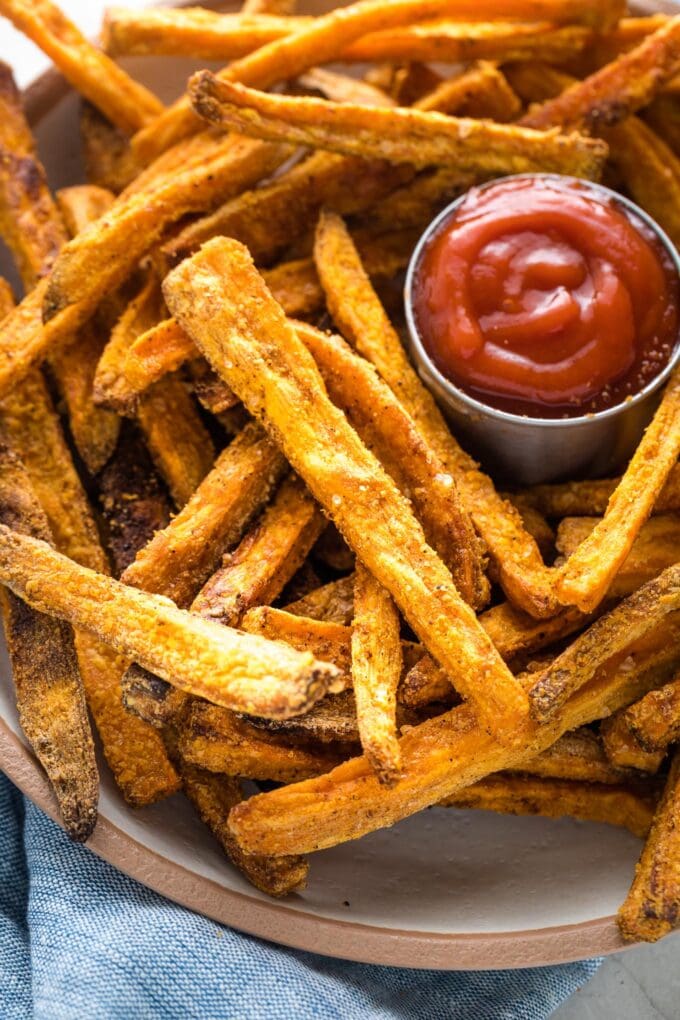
<point x="546" y="297"/>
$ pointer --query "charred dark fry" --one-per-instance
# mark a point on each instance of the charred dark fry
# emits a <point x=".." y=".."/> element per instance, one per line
<point x="108" y="160"/>
<point x="351" y="486"/>
<point x="49" y="691"/>
<point x="652" y="907"/>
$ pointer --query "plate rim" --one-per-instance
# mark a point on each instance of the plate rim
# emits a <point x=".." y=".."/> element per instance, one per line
<point x="286" y="926"/>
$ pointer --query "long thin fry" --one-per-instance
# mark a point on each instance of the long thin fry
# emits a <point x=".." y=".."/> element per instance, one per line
<point x="400" y="135"/>
<point x="481" y="91"/>
<point x="555" y="798"/>
<point x="49" y="691"/>
<point x="159" y="350"/>
<point x="376" y="671"/>
<point x="578" y="755"/>
<point x="328" y="36"/>
<point x="589" y="499"/>
<point x="360" y="316"/>
<point x="249" y="343"/>
<point x="239" y="671"/>
<point x="629" y="621"/>
<point x="440" y="757"/>
<point x="652" y="907"/>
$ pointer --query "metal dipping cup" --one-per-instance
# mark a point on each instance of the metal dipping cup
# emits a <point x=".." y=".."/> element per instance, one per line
<point x="519" y="450"/>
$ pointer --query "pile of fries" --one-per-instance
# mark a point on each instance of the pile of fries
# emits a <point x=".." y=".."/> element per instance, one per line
<point x="249" y="547"/>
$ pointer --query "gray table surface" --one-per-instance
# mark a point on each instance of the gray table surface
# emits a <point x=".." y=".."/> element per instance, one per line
<point x="642" y="984"/>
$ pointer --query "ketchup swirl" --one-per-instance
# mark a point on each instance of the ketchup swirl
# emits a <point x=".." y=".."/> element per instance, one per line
<point x="545" y="297"/>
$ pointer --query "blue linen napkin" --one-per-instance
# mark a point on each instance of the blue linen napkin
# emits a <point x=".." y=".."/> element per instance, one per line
<point x="80" y="941"/>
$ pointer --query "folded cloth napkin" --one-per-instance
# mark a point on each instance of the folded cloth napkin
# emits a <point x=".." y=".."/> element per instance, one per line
<point x="80" y="940"/>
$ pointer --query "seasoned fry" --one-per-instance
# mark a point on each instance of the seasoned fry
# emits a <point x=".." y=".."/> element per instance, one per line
<point x="623" y="750"/>
<point x="481" y="91"/>
<point x="579" y="755"/>
<point x="376" y="671"/>
<point x="159" y="350"/>
<point x="48" y="688"/>
<point x="179" y="560"/>
<point x="212" y="392"/>
<point x="107" y="157"/>
<point x="440" y="757"/>
<point x="555" y="798"/>
<point x="589" y="571"/>
<point x="424" y="683"/>
<point x="238" y="671"/>
<point x="333" y="602"/>
<point x="213" y="797"/>
<point x="360" y="316"/>
<point x="655" y="719"/>
<point x="177" y="438"/>
<point x="330" y="35"/>
<point x="324" y="639"/>
<point x="400" y="135"/>
<point x="125" y="102"/>
<point x="589" y="499"/>
<point x="612" y="633"/>
<point x="617" y="90"/>
<point x="340" y="472"/>
<point x="258" y="569"/>
<point x="221" y="742"/>
<point x="388" y="430"/>
<point x="152" y="699"/>
<point x="652" y="907"/>
<point x="341" y="88"/>
<point x="331" y="721"/>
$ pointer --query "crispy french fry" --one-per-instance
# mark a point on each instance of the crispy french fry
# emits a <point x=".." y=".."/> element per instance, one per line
<point x="630" y="620"/>
<point x="159" y="350"/>
<point x="626" y="34"/>
<point x="49" y="691"/>
<point x="327" y="640"/>
<point x="151" y="699"/>
<point x="177" y="438"/>
<point x="357" y="311"/>
<point x="341" y="88"/>
<point x="589" y="499"/>
<point x="179" y="560"/>
<point x="238" y="671"/>
<point x="623" y="750"/>
<point x="376" y="671"/>
<point x="221" y="742"/>
<point x="481" y="91"/>
<point x="555" y="798"/>
<point x="102" y="256"/>
<point x="419" y="201"/>
<point x="132" y="499"/>
<point x="424" y="683"/>
<point x="389" y="431"/>
<point x="652" y="907"/>
<point x="400" y="135"/>
<point x="618" y="89"/>
<point x="107" y="157"/>
<point x="340" y="472"/>
<point x="654" y="549"/>
<point x="212" y="392"/>
<point x="589" y="571"/>
<point x="125" y="102"/>
<point x="332" y="721"/>
<point x="655" y="719"/>
<point x="213" y="797"/>
<point x="439" y="758"/>
<point x="330" y="35"/>
<point x="258" y="569"/>
<point x="579" y="755"/>
<point x="333" y="602"/>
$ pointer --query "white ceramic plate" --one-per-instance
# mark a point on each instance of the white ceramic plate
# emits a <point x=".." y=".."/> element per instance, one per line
<point x="445" y="889"/>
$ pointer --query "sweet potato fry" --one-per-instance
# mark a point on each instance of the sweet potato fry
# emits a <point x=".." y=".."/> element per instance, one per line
<point x="213" y="797"/>
<point x="340" y="472"/>
<point x="330" y="35"/>
<point x="617" y="90"/>
<point x="177" y="438"/>
<point x="212" y="392"/>
<point x="125" y="102"/>
<point x="151" y="699"/>
<point x="389" y="431"/>
<point x="609" y="635"/>
<point x="333" y="602"/>
<point x="179" y="560"/>
<point x="623" y="750"/>
<point x="221" y="742"/>
<point x="580" y="756"/>
<point x="652" y="907"/>
<point x="424" y="683"/>
<point x="332" y="721"/>
<point x="159" y="350"/>
<point x="400" y="135"/>
<point x="555" y="798"/>
<point x="376" y="671"/>
<point x="655" y="719"/>
<point x="257" y="570"/>
<point x="49" y="691"/>
<point x="589" y="571"/>
<point x="358" y="313"/>
<point x="107" y="156"/>
<point x="324" y="639"/>
<point x="102" y="256"/>
<point x="481" y="91"/>
<point x="654" y="549"/>
<point x="341" y="88"/>
<point x="589" y="499"/>
<point x="439" y="758"/>
<point x="238" y="671"/>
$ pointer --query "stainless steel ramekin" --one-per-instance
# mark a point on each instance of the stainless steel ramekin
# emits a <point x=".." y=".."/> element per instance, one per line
<point x="520" y="450"/>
